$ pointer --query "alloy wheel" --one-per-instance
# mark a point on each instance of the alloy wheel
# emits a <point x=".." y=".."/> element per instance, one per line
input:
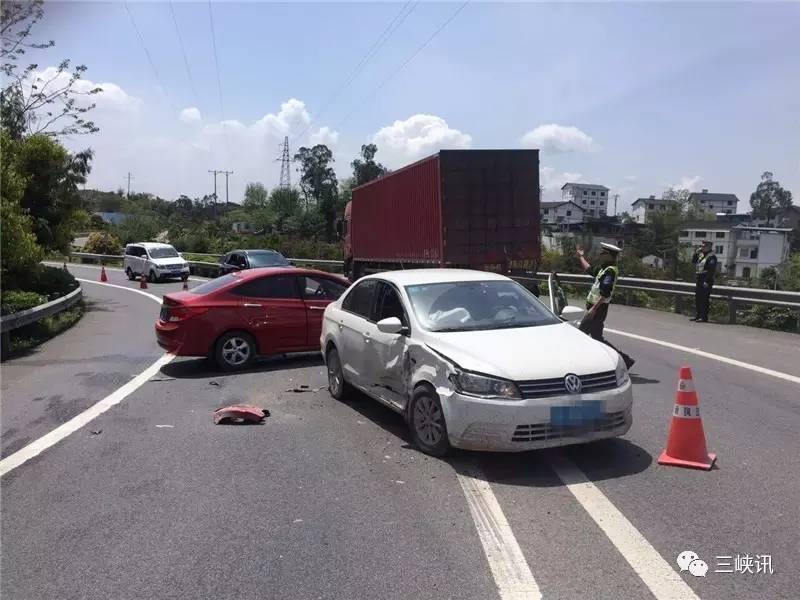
<point x="236" y="351"/>
<point x="428" y="420"/>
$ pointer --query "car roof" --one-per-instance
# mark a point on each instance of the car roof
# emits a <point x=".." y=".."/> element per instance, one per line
<point x="257" y="251"/>
<point x="150" y="245"/>
<point x="423" y="276"/>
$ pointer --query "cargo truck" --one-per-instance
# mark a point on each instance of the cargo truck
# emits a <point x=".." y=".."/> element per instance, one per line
<point x="477" y="209"/>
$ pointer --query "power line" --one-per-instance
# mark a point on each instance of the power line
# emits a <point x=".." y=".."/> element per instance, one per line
<point x="183" y="51"/>
<point x="408" y="60"/>
<point x="216" y="60"/>
<point x="373" y="50"/>
<point x="144" y="47"/>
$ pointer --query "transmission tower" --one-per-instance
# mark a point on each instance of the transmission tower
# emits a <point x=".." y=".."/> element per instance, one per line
<point x="286" y="166"/>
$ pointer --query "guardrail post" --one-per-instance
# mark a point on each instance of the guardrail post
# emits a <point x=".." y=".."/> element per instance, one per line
<point x="678" y="304"/>
<point x="627" y="297"/>
<point x="731" y="311"/>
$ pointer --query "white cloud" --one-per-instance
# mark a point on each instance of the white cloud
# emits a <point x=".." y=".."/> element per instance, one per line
<point x="688" y="183"/>
<point x="190" y="115"/>
<point x="416" y="137"/>
<point x="559" y="139"/>
<point x="551" y="180"/>
<point x="630" y="178"/>
<point x="325" y="135"/>
<point x="111" y="97"/>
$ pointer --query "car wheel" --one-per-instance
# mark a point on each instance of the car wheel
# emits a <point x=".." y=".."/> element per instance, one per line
<point x="235" y="350"/>
<point x="152" y="278"/>
<point x="426" y="420"/>
<point x="337" y="386"/>
<point x="131" y="275"/>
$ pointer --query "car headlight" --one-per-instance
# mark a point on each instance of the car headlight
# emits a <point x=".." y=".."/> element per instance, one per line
<point x="484" y="386"/>
<point x="622" y="372"/>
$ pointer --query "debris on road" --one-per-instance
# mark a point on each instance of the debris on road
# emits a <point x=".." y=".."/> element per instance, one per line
<point x="240" y="414"/>
<point x="298" y="521"/>
<point x="96" y="431"/>
<point x="214" y="383"/>
<point x="162" y="426"/>
<point x="162" y="379"/>
<point x="305" y="388"/>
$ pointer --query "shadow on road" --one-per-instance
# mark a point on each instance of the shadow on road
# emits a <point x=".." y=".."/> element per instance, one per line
<point x="203" y="368"/>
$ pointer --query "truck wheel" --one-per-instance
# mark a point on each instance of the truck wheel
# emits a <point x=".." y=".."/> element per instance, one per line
<point x="427" y="424"/>
<point x="358" y="270"/>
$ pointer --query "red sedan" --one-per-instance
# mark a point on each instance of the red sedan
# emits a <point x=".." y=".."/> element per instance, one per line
<point x="237" y="317"/>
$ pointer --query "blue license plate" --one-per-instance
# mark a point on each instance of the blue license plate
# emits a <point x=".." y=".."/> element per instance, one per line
<point x="579" y="414"/>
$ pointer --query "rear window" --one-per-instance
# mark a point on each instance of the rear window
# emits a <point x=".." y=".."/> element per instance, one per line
<point x="214" y="284"/>
<point x="267" y="259"/>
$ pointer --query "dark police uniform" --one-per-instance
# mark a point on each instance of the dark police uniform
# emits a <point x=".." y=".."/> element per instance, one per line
<point x="705" y="264"/>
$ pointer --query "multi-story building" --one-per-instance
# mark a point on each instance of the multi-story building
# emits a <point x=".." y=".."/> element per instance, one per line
<point x="643" y="209"/>
<point x="713" y="204"/>
<point x="593" y="199"/>
<point x="561" y="212"/>
<point x="742" y="250"/>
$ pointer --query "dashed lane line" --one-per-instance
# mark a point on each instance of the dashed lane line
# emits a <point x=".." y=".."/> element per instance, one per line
<point x="655" y="572"/>
<point x="712" y="356"/>
<point x="48" y="440"/>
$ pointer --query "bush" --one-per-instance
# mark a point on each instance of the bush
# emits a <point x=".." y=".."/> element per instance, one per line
<point x="15" y="301"/>
<point x="48" y="281"/>
<point x="101" y="242"/>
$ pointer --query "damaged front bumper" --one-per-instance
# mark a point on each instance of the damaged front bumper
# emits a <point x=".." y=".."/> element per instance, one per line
<point x="519" y="425"/>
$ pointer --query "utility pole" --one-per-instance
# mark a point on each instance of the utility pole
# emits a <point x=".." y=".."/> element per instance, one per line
<point x="286" y="168"/>
<point x="215" y="189"/>
<point x="129" y="177"/>
<point x="226" y="173"/>
<point x="616" y="197"/>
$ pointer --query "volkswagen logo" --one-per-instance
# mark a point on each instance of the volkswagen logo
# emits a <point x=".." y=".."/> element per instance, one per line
<point x="573" y="384"/>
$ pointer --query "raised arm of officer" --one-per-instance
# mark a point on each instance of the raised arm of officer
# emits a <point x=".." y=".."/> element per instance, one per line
<point x="585" y="263"/>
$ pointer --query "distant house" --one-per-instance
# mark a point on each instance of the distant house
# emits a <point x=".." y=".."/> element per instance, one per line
<point x="113" y="218"/>
<point x="643" y="209"/>
<point x="561" y="212"/>
<point x="651" y="260"/>
<point x="241" y="227"/>
<point x="712" y="203"/>
<point x="591" y="197"/>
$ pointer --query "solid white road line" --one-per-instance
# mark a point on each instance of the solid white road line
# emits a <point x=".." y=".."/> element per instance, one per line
<point x="511" y="573"/>
<point x="656" y="573"/>
<point x="704" y="354"/>
<point x="11" y="462"/>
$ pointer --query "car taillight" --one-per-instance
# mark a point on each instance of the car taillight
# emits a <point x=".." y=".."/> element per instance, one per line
<point x="181" y="313"/>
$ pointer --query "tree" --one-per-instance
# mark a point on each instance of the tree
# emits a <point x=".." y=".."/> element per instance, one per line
<point x="101" y="242"/>
<point x="283" y="202"/>
<point x="687" y="207"/>
<point x="769" y="198"/>
<point x="367" y="169"/>
<point x="255" y="197"/>
<point x="318" y="183"/>
<point x="54" y="102"/>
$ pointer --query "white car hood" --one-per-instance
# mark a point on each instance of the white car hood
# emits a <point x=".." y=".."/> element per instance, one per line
<point x="163" y="262"/>
<point x="525" y="353"/>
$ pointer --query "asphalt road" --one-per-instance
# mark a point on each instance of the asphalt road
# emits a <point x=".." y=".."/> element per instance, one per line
<point x="329" y="500"/>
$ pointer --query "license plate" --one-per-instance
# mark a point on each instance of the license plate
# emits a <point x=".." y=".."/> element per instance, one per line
<point x="579" y="414"/>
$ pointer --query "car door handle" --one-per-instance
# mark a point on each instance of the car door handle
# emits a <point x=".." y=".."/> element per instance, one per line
<point x="317" y="307"/>
<point x="249" y="305"/>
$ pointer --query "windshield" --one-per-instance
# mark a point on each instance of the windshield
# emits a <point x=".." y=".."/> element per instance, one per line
<point x="163" y="252"/>
<point x="214" y="284"/>
<point x="267" y="259"/>
<point x="477" y="306"/>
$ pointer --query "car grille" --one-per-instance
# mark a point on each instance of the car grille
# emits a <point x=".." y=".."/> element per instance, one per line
<point x="542" y="388"/>
<point x="175" y="267"/>
<point x="546" y="431"/>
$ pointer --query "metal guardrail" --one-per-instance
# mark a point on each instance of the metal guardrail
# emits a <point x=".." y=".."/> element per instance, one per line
<point x="31" y="315"/>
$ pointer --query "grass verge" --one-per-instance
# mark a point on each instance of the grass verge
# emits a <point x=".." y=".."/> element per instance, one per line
<point x="26" y="338"/>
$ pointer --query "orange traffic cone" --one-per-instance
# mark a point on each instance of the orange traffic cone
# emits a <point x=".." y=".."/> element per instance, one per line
<point x="103" y="276"/>
<point x="143" y="282"/>
<point x="185" y="286"/>
<point x="686" y="445"/>
<point x="64" y="267"/>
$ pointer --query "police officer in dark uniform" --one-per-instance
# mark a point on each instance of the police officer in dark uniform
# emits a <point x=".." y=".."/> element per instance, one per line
<point x="599" y="296"/>
<point x="705" y="266"/>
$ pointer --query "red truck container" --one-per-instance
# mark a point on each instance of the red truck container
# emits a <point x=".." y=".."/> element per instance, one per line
<point x="458" y="208"/>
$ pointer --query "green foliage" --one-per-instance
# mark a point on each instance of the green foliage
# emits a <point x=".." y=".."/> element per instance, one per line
<point x="138" y="228"/>
<point x="367" y="169"/>
<point x="791" y="274"/>
<point x="319" y="185"/>
<point x="14" y="301"/>
<point x="32" y="335"/>
<point x="769" y="317"/>
<point x="769" y="198"/>
<point x="255" y="197"/>
<point x="101" y="242"/>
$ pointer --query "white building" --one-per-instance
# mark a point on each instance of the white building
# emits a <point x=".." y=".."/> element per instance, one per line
<point x="742" y="250"/>
<point x="643" y="209"/>
<point x="713" y="204"/>
<point x="561" y="212"/>
<point x="592" y="198"/>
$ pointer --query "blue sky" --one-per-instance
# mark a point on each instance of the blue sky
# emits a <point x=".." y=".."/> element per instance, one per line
<point x="636" y="96"/>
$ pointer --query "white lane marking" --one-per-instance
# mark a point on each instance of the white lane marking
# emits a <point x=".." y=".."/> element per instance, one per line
<point x="121" y="287"/>
<point x="656" y="573"/>
<point x="11" y="462"/>
<point x="62" y="431"/>
<point x="511" y="573"/>
<point x="704" y="354"/>
<point x="96" y="268"/>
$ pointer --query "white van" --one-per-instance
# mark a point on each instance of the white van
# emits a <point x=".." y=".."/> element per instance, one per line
<point x="155" y="261"/>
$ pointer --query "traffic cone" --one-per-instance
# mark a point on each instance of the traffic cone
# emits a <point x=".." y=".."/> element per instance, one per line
<point x="103" y="276"/>
<point x="686" y="445"/>
<point x="185" y="286"/>
<point x="143" y="282"/>
<point x="64" y="268"/>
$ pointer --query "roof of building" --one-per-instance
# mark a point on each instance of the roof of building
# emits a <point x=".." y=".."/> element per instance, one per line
<point x="557" y="204"/>
<point x="706" y="225"/>
<point x="586" y="185"/>
<point x="652" y="200"/>
<point x="706" y="196"/>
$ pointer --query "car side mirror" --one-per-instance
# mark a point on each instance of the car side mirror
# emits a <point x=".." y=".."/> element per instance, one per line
<point x="390" y="325"/>
<point x="571" y="313"/>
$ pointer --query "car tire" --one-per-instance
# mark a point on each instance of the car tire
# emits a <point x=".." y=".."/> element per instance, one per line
<point x="235" y="350"/>
<point x="152" y="278"/>
<point x="427" y="423"/>
<point x="131" y="275"/>
<point x="337" y="386"/>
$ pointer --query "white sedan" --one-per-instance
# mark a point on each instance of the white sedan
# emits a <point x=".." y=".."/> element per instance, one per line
<point x="474" y="360"/>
